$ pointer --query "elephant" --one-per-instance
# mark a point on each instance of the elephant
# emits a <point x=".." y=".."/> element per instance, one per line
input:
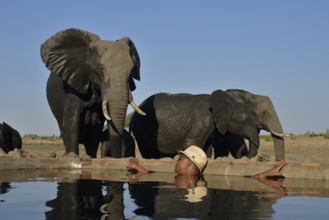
<point x="91" y="81"/>
<point x="9" y="138"/>
<point x="176" y="121"/>
<point x="267" y="119"/>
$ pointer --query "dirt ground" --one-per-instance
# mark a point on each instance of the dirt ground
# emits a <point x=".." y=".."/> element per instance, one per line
<point x="302" y="149"/>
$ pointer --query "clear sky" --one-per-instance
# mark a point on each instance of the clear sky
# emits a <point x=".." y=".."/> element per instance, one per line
<point x="275" y="48"/>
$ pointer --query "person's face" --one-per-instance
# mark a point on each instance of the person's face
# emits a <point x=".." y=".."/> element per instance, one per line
<point x="184" y="166"/>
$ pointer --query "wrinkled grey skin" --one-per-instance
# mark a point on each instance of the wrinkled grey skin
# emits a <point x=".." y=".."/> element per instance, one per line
<point x="9" y="138"/>
<point x="175" y="121"/>
<point x="86" y="71"/>
<point x="222" y="120"/>
<point x="267" y="119"/>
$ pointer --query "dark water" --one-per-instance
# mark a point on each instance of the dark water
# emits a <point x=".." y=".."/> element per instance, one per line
<point x="217" y="198"/>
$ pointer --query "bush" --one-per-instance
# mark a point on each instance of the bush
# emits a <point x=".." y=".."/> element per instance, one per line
<point x="266" y="138"/>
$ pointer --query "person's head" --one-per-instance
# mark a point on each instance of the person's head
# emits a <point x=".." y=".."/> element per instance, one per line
<point x="191" y="161"/>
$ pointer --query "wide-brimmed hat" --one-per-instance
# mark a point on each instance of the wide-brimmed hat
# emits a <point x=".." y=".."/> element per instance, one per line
<point x="196" y="155"/>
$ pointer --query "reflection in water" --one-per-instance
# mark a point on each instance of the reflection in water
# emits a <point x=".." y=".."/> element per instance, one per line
<point x="96" y="199"/>
<point x="80" y="199"/>
<point x="113" y="207"/>
<point x="166" y="203"/>
<point x="4" y="187"/>
<point x="83" y="199"/>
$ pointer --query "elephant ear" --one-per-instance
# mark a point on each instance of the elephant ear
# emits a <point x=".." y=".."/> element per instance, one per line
<point x="135" y="73"/>
<point x="221" y="105"/>
<point x="69" y="55"/>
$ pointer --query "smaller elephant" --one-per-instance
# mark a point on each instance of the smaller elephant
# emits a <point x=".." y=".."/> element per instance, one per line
<point x="9" y="138"/>
<point x="175" y="121"/>
<point x="266" y="118"/>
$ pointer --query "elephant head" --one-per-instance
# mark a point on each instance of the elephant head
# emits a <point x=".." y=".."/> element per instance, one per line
<point x="81" y="58"/>
<point x="265" y="115"/>
<point x="9" y="138"/>
<point x="235" y="118"/>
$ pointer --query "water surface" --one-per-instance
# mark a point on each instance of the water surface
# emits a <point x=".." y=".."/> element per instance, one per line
<point x="227" y="197"/>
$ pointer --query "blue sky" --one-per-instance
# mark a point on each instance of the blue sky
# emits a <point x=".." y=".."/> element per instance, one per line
<point x="274" y="48"/>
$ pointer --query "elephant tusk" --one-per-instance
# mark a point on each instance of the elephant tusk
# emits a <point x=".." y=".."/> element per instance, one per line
<point x="137" y="109"/>
<point x="279" y="134"/>
<point x="105" y="111"/>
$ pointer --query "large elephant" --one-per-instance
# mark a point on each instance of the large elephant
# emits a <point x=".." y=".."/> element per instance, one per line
<point x="91" y="80"/>
<point x="176" y="121"/>
<point x="9" y="138"/>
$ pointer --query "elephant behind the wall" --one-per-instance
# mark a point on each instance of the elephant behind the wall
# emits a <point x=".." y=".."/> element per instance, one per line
<point x="9" y="138"/>
<point x="175" y="121"/>
<point x="267" y="119"/>
<point x="91" y="80"/>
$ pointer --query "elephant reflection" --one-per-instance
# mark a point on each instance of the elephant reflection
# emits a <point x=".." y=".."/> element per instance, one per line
<point x="76" y="200"/>
<point x="171" y="203"/>
<point x="4" y="187"/>
<point x="113" y="207"/>
<point x="222" y="119"/>
<point x="83" y="199"/>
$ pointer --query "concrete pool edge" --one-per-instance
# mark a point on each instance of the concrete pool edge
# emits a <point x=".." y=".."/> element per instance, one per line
<point x="319" y="171"/>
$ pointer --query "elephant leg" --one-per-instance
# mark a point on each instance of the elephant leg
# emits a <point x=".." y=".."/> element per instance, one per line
<point x="71" y="132"/>
<point x="111" y="145"/>
<point x="220" y="147"/>
<point x="105" y="149"/>
<point x="129" y="144"/>
<point x="147" y="144"/>
<point x="236" y="145"/>
<point x="220" y="150"/>
<point x="115" y="145"/>
<point x="71" y="137"/>
<point x="92" y="138"/>
<point x="91" y="146"/>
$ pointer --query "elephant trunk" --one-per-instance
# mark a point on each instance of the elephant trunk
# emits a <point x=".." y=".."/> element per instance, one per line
<point x="278" y="141"/>
<point x="118" y="109"/>
<point x="274" y="126"/>
<point x="115" y="102"/>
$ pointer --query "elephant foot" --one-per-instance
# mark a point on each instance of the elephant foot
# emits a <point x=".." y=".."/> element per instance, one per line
<point x="18" y="153"/>
<point x="70" y="155"/>
<point x="241" y="152"/>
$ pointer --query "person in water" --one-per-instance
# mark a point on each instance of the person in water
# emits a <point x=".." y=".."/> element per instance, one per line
<point x="193" y="160"/>
<point x="189" y="169"/>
